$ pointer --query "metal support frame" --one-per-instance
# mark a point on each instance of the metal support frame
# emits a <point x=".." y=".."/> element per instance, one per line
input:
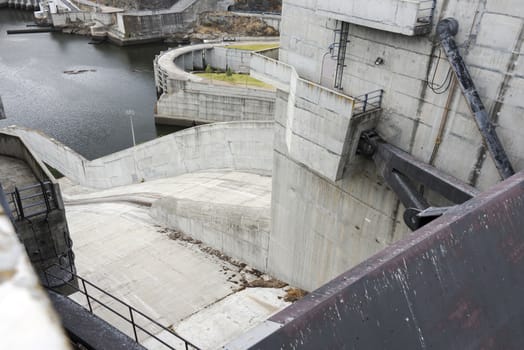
<point x="446" y="30"/>
<point x="402" y="172"/>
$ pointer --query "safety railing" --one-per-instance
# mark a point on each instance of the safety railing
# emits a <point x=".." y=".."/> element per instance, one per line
<point x="132" y="313"/>
<point x="368" y="102"/>
<point x="30" y="201"/>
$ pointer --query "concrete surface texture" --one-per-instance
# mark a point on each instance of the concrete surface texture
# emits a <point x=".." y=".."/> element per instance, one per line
<point x="142" y="26"/>
<point x="39" y="221"/>
<point x="244" y="146"/>
<point x="314" y="124"/>
<point x="396" y="16"/>
<point x="321" y="227"/>
<point x="228" y="211"/>
<point x="28" y="320"/>
<point x="15" y="172"/>
<point x="179" y="281"/>
<point x="210" y="102"/>
<point x="453" y="284"/>
<point x="189" y="98"/>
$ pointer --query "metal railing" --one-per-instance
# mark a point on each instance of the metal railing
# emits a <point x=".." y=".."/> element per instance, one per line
<point x="368" y="102"/>
<point x="132" y="312"/>
<point x="426" y="11"/>
<point x="30" y="201"/>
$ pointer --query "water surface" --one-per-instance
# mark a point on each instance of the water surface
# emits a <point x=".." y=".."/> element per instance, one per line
<point x="88" y="111"/>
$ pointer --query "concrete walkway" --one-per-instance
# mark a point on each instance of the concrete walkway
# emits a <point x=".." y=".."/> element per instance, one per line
<point x="179" y="282"/>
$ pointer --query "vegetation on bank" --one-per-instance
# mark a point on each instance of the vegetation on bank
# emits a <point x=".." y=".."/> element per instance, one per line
<point x="235" y="78"/>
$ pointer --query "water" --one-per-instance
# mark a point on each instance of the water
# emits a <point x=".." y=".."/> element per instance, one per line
<point x="89" y="111"/>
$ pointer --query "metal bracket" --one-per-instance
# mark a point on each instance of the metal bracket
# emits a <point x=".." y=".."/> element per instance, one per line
<point x="402" y="172"/>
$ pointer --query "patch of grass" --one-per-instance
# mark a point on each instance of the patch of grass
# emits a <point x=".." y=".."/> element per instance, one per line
<point x="236" y="79"/>
<point x="253" y="47"/>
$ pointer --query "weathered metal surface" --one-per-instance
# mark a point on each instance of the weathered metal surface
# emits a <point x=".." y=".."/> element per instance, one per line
<point x="402" y="171"/>
<point x="457" y="283"/>
<point x="446" y="30"/>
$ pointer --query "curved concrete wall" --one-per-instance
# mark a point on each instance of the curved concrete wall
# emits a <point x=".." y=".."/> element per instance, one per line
<point x="187" y="97"/>
<point x="244" y="146"/>
<point x="207" y="103"/>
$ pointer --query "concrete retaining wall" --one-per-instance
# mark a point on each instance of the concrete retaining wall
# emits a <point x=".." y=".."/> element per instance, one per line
<point x="241" y="232"/>
<point x="205" y="103"/>
<point x="244" y="146"/>
<point x="154" y="25"/>
<point x="68" y="18"/>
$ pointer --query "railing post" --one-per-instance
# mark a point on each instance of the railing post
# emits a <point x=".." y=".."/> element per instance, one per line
<point x="87" y="296"/>
<point x="133" y="323"/>
<point x="44" y="194"/>
<point x="19" y="204"/>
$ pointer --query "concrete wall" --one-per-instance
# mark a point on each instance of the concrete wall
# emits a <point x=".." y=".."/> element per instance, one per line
<point x="208" y="103"/>
<point x="398" y="16"/>
<point x="149" y="25"/>
<point x="322" y="227"/>
<point x="189" y="98"/>
<point x="68" y="18"/>
<point x="244" y="146"/>
<point x="241" y="232"/>
<point x="315" y="125"/>
<point x="141" y="4"/>
<point x="45" y="236"/>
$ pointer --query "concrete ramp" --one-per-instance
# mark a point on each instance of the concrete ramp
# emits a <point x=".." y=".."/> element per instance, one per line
<point x="457" y="283"/>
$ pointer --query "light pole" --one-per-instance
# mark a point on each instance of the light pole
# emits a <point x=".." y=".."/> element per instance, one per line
<point x="131" y="113"/>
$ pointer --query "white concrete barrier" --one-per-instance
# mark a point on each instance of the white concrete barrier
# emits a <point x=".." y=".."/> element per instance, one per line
<point x="243" y="146"/>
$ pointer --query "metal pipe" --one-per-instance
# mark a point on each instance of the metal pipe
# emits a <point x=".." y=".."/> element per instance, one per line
<point x="446" y="30"/>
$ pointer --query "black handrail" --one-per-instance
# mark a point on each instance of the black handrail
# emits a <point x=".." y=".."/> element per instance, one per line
<point x="368" y="102"/>
<point x="27" y="194"/>
<point x="132" y="310"/>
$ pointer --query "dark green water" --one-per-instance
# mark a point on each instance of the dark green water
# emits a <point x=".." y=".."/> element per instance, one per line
<point x="89" y="111"/>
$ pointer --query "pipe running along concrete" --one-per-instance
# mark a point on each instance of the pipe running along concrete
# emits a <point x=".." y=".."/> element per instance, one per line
<point x="446" y="30"/>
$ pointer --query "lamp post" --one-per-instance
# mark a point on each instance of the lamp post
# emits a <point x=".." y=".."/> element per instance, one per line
<point x="131" y="113"/>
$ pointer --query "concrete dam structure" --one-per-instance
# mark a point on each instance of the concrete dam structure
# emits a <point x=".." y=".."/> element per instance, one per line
<point x="125" y="26"/>
<point x="28" y="5"/>
<point x="185" y="98"/>
<point x="330" y="195"/>
<point x="389" y="117"/>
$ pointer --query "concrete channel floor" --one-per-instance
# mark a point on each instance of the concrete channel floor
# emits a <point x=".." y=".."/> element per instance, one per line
<point x="176" y="282"/>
